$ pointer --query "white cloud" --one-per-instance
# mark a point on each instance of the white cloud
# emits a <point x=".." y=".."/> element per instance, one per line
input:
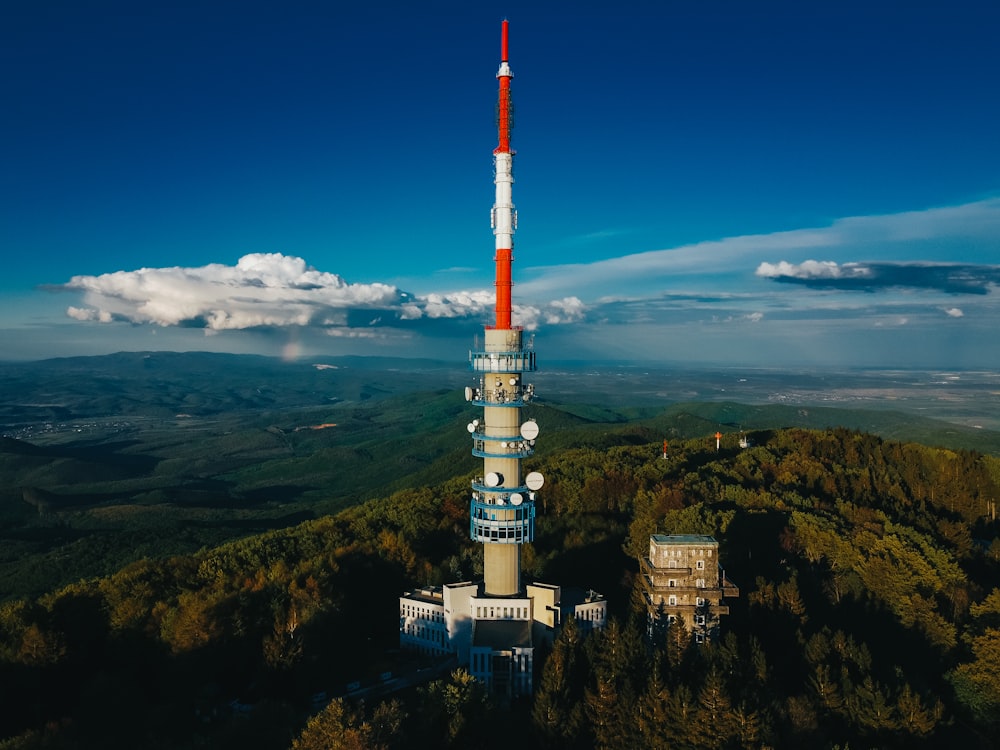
<point x="78" y="313"/>
<point x="812" y="269"/>
<point x="954" y="312"/>
<point x="262" y="289"/>
<point x="274" y="290"/>
<point x="455" y="304"/>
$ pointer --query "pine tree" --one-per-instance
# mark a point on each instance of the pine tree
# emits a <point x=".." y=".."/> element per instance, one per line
<point x="558" y="710"/>
<point x="653" y="711"/>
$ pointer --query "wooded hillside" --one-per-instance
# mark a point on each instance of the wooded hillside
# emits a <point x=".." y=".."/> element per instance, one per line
<point x="869" y="614"/>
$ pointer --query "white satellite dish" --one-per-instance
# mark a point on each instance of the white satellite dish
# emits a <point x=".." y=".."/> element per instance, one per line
<point x="471" y="427"/>
<point x="534" y="481"/>
<point x="515" y="498"/>
<point x="513" y="381"/>
<point x="468" y="393"/>
<point x="493" y="479"/>
<point x="529" y="430"/>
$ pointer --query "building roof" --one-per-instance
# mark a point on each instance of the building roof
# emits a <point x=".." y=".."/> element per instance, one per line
<point x="429" y="594"/>
<point x="573" y="597"/>
<point x="703" y="539"/>
<point x="502" y="635"/>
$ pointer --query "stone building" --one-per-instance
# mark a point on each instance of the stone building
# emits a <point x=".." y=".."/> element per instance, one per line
<point x="683" y="577"/>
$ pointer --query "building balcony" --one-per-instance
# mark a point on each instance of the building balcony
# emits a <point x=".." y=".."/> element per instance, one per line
<point x="665" y="573"/>
<point x="692" y="609"/>
<point x="651" y="569"/>
<point x="729" y="588"/>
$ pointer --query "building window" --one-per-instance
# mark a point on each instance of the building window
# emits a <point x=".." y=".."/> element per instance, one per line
<point x="672" y="583"/>
<point x="700" y="565"/>
<point x="699" y="619"/>
<point x="699" y="601"/>
<point x="699" y="637"/>
<point x="700" y="583"/>
<point x="672" y="601"/>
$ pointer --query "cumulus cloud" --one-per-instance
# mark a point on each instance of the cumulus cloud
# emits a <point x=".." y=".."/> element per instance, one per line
<point x="273" y="290"/>
<point x="953" y="278"/>
<point x="954" y="312"/>
<point x="79" y="313"/>
<point x="262" y="289"/>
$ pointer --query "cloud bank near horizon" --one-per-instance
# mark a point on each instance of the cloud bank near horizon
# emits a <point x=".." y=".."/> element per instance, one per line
<point x="272" y="290"/>
<point x="716" y="282"/>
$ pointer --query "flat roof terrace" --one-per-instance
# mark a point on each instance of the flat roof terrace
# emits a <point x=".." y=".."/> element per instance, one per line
<point x="693" y="539"/>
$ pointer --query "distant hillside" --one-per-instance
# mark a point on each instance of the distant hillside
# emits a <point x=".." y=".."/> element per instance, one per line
<point x="163" y="384"/>
<point x="109" y="459"/>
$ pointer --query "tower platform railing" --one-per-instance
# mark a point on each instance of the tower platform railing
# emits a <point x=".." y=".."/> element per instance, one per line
<point x="502" y="524"/>
<point x="518" y="360"/>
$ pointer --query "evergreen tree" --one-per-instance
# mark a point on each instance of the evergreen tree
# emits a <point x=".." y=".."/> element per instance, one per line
<point x="652" y="714"/>
<point x="558" y="711"/>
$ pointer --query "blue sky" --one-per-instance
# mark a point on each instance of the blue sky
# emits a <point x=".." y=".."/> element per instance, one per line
<point x="746" y="184"/>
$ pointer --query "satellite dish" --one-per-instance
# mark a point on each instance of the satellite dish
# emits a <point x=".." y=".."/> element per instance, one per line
<point x="493" y="479"/>
<point x="471" y="427"/>
<point x="515" y="498"/>
<point x="513" y="381"/>
<point x="534" y="481"/>
<point x="468" y="393"/>
<point x="529" y="430"/>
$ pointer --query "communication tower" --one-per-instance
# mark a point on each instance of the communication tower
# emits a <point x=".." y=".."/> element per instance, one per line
<point x="494" y="625"/>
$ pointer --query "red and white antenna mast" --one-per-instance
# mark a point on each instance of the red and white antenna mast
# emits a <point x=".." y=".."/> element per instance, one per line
<point x="504" y="217"/>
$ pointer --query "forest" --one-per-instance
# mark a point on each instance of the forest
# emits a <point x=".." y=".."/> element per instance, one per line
<point x="869" y="613"/>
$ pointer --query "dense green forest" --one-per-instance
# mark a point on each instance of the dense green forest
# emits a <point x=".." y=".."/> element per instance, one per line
<point x="869" y="613"/>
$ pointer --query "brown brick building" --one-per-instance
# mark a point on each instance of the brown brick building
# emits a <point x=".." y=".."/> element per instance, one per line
<point x="683" y="577"/>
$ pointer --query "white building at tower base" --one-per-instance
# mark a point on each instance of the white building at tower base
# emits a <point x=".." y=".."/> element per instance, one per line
<point x="494" y="638"/>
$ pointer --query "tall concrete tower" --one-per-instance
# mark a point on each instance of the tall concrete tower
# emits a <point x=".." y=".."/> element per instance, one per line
<point x="493" y="626"/>
<point x="503" y="508"/>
